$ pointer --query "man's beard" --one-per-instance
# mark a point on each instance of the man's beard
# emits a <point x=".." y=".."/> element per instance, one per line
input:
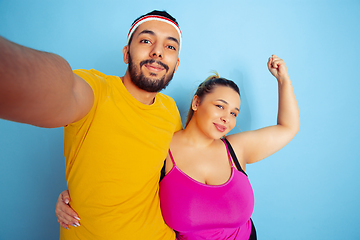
<point x="145" y="83"/>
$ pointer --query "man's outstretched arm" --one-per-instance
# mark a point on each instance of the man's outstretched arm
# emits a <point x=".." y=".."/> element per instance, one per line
<point x="39" y="88"/>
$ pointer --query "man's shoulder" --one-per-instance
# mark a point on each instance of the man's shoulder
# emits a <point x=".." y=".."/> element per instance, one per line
<point x="169" y="103"/>
<point x="166" y="99"/>
<point x="164" y="96"/>
<point x="93" y="72"/>
<point x="95" y="78"/>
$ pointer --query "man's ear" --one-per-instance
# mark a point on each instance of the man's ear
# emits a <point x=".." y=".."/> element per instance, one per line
<point x="195" y="103"/>
<point x="177" y="64"/>
<point x="126" y="54"/>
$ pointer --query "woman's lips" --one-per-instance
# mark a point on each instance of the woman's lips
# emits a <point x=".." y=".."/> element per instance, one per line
<point x="219" y="127"/>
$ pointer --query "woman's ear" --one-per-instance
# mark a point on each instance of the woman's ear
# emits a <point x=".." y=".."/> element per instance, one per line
<point x="195" y="103"/>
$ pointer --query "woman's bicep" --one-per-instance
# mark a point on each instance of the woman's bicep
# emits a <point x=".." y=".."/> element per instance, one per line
<point x="259" y="144"/>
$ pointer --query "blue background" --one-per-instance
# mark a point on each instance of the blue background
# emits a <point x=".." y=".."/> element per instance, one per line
<point x="308" y="190"/>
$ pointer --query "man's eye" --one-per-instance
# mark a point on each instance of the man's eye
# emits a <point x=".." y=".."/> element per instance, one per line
<point x="145" y="41"/>
<point x="171" y="47"/>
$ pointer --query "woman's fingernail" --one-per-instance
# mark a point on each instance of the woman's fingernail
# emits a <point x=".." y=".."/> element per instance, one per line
<point x="67" y="201"/>
<point x="77" y="218"/>
<point x="74" y="225"/>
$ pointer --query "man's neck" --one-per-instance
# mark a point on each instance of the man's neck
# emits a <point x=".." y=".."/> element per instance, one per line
<point x="139" y="94"/>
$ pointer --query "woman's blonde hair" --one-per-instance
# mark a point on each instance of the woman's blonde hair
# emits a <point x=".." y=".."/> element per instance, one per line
<point x="207" y="87"/>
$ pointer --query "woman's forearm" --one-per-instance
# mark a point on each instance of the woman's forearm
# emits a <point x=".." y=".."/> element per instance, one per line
<point x="288" y="113"/>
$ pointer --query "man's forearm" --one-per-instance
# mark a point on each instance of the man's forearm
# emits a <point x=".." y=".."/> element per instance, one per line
<point x="34" y="86"/>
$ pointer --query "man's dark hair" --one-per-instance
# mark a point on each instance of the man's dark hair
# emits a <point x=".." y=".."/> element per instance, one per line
<point x="156" y="13"/>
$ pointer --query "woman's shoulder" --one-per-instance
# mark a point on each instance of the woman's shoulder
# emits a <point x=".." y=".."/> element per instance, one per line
<point x="176" y="137"/>
<point x="236" y="138"/>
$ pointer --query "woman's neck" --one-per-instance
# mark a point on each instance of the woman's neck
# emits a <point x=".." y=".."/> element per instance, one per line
<point x="195" y="137"/>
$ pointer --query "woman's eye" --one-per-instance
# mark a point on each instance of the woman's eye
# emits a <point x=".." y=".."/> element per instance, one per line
<point x="219" y="106"/>
<point x="234" y="114"/>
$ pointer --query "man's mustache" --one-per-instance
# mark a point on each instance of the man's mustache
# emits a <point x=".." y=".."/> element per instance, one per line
<point x="151" y="61"/>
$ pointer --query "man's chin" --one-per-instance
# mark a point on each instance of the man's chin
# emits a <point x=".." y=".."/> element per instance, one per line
<point x="153" y="76"/>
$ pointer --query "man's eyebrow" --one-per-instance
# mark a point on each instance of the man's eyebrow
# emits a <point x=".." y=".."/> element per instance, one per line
<point x="173" y="39"/>
<point x="146" y="32"/>
<point x="225" y="102"/>
<point x="152" y="33"/>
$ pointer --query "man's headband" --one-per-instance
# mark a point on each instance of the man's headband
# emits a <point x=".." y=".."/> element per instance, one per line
<point x="151" y="18"/>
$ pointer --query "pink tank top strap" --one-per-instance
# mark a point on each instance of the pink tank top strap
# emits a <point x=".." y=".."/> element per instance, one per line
<point x="228" y="153"/>
<point x="172" y="159"/>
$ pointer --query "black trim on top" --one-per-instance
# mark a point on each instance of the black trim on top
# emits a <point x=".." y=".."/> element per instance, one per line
<point x="233" y="155"/>
<point x="253" y="231"/>
<point x="162" y="173"/>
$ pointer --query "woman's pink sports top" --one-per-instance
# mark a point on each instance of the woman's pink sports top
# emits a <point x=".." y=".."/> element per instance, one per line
<point x="199" y="211"/>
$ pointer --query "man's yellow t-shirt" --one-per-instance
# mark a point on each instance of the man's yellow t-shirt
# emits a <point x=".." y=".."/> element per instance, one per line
<point x="113" y="160"/>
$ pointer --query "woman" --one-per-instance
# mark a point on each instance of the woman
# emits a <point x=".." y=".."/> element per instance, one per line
<point x="203" y="195"/>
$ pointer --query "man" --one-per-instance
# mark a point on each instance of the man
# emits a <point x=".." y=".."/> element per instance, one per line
<point x="117" y="130"/>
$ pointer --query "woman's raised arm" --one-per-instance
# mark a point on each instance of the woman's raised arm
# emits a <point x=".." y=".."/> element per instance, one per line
<point x="256" y="145"/>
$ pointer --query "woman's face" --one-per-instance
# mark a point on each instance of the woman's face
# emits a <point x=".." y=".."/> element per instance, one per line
<point x="216" y="114"/>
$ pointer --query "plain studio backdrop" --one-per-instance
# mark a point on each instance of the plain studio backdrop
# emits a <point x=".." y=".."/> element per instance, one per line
<point x="308" y="190"/>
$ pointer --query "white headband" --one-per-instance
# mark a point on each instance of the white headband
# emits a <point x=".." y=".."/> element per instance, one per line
<point x="150" y="18"/>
